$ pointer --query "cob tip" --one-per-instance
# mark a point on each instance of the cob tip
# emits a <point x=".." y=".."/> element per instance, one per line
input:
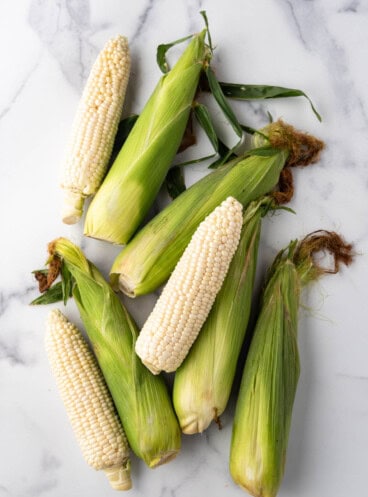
<point x="163" y="459"/>
<point x="72" y="207"/>
<point x="119" y="477"/>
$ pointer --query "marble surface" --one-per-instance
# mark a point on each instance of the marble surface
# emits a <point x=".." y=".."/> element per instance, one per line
<point x="320" y="46"/>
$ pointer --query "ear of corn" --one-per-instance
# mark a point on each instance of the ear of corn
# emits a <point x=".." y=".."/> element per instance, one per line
<point x="188" y="296"/>
<point x="148" y="260"/>
<point x="141" y="399"/>
<point x="139" y="170"/>
<point x="150" y="257"/>
<point x="95" y="127"/>
<point x="203" y="382"/>
<point x="270" y="377"/>
<point x="87" y="400"/>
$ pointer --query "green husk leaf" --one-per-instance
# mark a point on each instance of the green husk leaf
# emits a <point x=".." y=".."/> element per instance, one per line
<point x="175" y="183"/>
<point x="204" y="15"/>
<point x="66" y="283"/>
<point x="162" y="50"/>
<point x="195" y="161"/>
<point x="219" y="96"/>
<point x="262" y="152"/>
<point x="262" y="92"/>
<point x="271" y="373"/>
<point x="205" y="121"/>
<point x="51" y="296"/>
<point x="265" y="401"/>
<point x="226" y="154"/>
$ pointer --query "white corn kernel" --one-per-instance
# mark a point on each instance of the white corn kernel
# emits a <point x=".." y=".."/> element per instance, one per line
<point x="95" y="126"/>
<point x="87" y="399"/>
<point x="188" y="296"/>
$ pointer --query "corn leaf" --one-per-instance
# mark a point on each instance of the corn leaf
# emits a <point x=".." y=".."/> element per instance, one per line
<point x="205" y="121"/>
<point x="53" y="295"/>
<point x="162" y="50"/>
<point x="263" y="92"/>
<point x="219" y="96"/>
<point x="204" y="15"/>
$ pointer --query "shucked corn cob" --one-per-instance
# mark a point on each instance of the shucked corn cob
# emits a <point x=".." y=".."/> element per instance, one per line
<point x="270" y="377"/>
<point x="95" y="127"/>
<point x="187" y="298"/>
<point x="203" y="382"/>
<point x="150" y="257"/>
<point x="139" y="170"/>
<point x="141" y="399"/>
<point x="87" y="400"/>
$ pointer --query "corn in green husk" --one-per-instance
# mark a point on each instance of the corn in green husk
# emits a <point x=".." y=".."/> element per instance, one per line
<point x="270" y="377"/>
<point x="141" y="399"/>
<point x="150" y="257"/>
<point x="139" y="170"/>
<point x="203" y="382"/>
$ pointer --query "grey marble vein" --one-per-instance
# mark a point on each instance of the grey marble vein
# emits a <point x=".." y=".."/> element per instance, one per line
<point x="353" y="376"/>
<point x="42" y="486"/>
<point x="351" y="7"/>
<point x="142" y="21"/>
<point x="18" y="92"/>
<point x="64" y="28"/>
<point x="297" y="23"/>
<point x="23" y="295"/>
<point x="315" y="35"/>
<point x="11" y="354"/>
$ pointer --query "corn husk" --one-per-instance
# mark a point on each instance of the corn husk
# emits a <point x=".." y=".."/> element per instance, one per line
<point x="203" y="382"/>
<point x="150" y="257"/>
<point x="139" y="170"/>
<point x="265" y="402"/>
<point x="141" y="399"/>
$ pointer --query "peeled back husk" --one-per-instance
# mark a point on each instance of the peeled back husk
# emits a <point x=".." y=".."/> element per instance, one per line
<point x="141" y="399"/>
<point x="139" y="170"/>
<point x="150" y="257"/>
<point x="203" y="382"/>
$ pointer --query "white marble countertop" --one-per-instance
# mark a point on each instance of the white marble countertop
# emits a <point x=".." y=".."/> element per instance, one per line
<point x="320" y="46"/>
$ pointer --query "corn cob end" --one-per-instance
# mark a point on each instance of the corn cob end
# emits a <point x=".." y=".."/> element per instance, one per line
<point x="72" y="208"/>
<point x="126" y="285"/>
<point x="192" y="426"/>
<point x="163" y="459"/>
<point x="119" y="477"/>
